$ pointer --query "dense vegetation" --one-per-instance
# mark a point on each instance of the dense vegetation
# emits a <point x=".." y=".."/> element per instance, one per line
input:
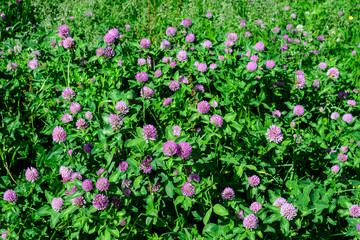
<point x="191" y="120"/>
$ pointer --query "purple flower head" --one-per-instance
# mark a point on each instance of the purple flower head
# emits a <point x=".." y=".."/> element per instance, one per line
<point x="202" y="67"/>
<point x="259" y="46"/>
<point x="63" y="31"/>
<point x="270" y="64"/>
<point x="122" y="107"/>
<point x="141" y="76"/>
<point x="75" y="108"/>
<point x="57" y="204"/>
<point x="344" y="149"/>
<point x="109" y="38"/>
<point x="78" y="201"/>
<point x="186" y="22"/>
<point x="213" y="66"/>
<point x="209" y="15"/>
<point x="102" y="184"/>
<point x="114" y="32"/>
<point x="165" y="44"/>
<point x="147" y="92"/>
<point x="5" y="234"/>
<point x="342" y="95"/>
<point x="176" y="131"/>
<point x="316" y="84"/>
<point x="216" y="120"/>
<point x="348" y="118"/>
<point x="320" y="38"/>
<point x="342" y="157"/>
<point x="228" y="194"/>
<point x="214" y="104"/>
<point x="141" y="61"/>
<point x="299" y="110"/>
<point x="123" y="166"/>
<point x="31" y="174"/>
<point x="145" y="43"/>
<point x="229" y="43"/>
<point x="190" y="38"/>
<point x="287" y="8"/>
<point x="276" y="29"/>
<point x="333" y="73"/>
<point x="274" y="134"/>
<point x="100" y="202"/>
<point x="88" y="115"/>
<point x="81" y="124"/>
<point x="335" y="169"/>
<point x="68" y="93"/>
<point x="255" y="207"/>
<point x="199" y="88"/>
<point x="203" y="107"/>
<point x="351" y="102"/>
<point x="170" y="148"/>
<point x="145" y="166"/>
<point x="3" y="16"/>
<point x="251" y="66"/>
<point x="59" y="134"/>
<point x="128" y="27"/>
<point x="276" y="114"/>
<point x="10" y="196"/>
<point x="188" y="189"/>
<point x="170" y="32"/>
<point x="251" y="222"/>
<point x="289" y="27"/>
<point x="115" y="121"/>
<point x="100" y="171"/>
<point x="358" y="227"/>
<point x="288" y="211"/>
<point x="184" y="150"/>
<point x="167" y="101"/>
<point x="293" y="15"/>
<point x="279" y="202"/>
<point x="33" y="64"/>
<point x="116" y="201"/>
<point x="68" y="43"/>
<point x="12" y="66"/>
<point x="247" y="34"/>
<point x="174" y="85"/>
<point x="194" y="177"/>
<point x="182" y="56"/>
<point x="232" y="37"/>
<point x="240" y="215"/>
<point x="167" y="59"/>
<point x="157" y="73"/>
<point x="88" y="147"/>
<point x="87" y="185"/>
<point x="300" y="81"/>
<point x="149" y="132"/>
<point x="254" y="181"/>
<point x="207" y="44"/>
<point x="255" y="59"/>
<point x="76" y="175"/>
<point x="354" y="211"/>
<point x="120" y="63"/>
<point x="334" y="115"/>
<point x="109" y="52"/>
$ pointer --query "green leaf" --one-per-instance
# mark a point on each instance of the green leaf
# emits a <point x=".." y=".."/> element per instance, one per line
<point x="220" y="210"/>
<point x="170" y="189"/>
<point x="272" y="218"/>
<point x="44" y="211"/>
<point x="137" y="182"/>
<point x="55" y="217"/>
<point x="284" y="226"/>
<point x="114" y="231"/>
<point x="230" y="117"/>
<point x="207" y="216"/>
<point x="179" y="199"/>
<point x="115" y="176"/>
